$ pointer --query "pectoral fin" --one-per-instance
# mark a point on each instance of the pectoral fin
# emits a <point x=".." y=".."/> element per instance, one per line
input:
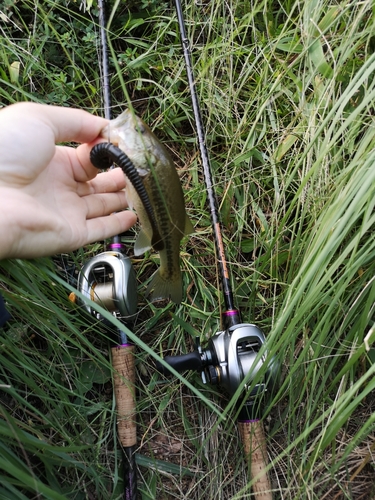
<point x="142" y="244"/>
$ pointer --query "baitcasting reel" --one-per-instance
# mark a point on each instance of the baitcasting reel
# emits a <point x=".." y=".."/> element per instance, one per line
<point x="229" y="358"/>
<point x="109" y="280"/>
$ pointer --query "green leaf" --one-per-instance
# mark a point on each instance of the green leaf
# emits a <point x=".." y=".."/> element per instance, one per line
<point x="318" y="59"/>
<point x="164" y="466"/>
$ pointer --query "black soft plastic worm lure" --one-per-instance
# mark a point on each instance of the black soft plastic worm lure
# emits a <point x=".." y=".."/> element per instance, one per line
<point x="102" y="156"/>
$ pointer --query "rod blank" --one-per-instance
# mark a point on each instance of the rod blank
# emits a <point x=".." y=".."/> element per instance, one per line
<point x="221" y="258"/>
<point x="106" y="88"/>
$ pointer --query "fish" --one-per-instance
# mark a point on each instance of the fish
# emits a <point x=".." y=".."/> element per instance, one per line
<point x="160" y="178"/>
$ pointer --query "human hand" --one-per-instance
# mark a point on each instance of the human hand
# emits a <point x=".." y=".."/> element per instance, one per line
<point x="51" y="198"/>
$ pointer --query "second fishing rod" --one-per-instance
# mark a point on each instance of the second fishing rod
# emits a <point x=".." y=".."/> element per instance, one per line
<point x="231" y="314"/>
<point x="232" y="357"/>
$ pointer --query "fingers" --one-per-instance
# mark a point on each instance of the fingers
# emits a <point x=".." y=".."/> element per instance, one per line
<point x="101" y="204"/>
<point x="85" y="170"/>
<point x="30" y="132"/>
<point x="105" y="182"/>
<point x="67" y="124"/>
<point x="74" y="124"/>
<point x="106" y="227"/>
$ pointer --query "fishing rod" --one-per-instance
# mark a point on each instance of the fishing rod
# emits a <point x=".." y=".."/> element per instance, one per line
<point x="109" y="280"/>
<point x="231" y="314"/>
<point x="231" y="358"/>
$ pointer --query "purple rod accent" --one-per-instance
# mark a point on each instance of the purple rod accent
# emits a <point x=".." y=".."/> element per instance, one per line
<point x="116" y="245"/>
<point x="231" y="312"/>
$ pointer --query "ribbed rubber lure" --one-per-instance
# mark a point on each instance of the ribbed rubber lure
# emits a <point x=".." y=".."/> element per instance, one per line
<point x="102" y="156"/>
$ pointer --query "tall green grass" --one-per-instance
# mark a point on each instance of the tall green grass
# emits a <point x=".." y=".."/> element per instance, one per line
<point x="287" y="92"/>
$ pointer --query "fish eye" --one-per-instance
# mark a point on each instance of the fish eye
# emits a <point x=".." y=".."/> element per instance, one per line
<point x="140" y="128"/>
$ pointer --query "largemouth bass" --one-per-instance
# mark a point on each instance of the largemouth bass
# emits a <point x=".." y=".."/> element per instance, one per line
<point x="160" y="178"/>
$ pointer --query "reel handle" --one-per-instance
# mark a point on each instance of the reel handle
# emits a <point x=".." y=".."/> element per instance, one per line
<point x="254" y="443"/>
<point x="181" y="363"/>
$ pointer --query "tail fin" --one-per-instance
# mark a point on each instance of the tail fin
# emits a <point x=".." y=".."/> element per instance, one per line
<point x="160" y="288"/>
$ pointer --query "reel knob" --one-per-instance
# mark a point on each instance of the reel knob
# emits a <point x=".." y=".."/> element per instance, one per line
<point x="181" y="363"/>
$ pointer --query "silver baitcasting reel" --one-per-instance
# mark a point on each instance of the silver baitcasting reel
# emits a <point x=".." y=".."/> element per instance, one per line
<point x="109" y="280"/>
<point x="230" y="360"/>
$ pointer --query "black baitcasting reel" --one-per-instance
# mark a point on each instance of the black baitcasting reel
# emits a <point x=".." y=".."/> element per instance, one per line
<point x="231" y="360"/>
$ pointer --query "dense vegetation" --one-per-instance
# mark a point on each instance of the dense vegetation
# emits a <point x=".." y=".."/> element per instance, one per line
<point x="287" y="92"/>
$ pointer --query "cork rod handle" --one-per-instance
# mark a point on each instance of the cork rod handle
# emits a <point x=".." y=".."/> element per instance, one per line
<point x="124" y="385"/>
<point x="254" y="442"/>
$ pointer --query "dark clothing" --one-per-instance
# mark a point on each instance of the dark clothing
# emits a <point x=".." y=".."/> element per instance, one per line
<point x="4" y="314"/>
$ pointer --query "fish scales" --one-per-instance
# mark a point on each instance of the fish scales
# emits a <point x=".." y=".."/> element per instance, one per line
<point x="165" y="221"/>
<point x="163" y="186"/>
